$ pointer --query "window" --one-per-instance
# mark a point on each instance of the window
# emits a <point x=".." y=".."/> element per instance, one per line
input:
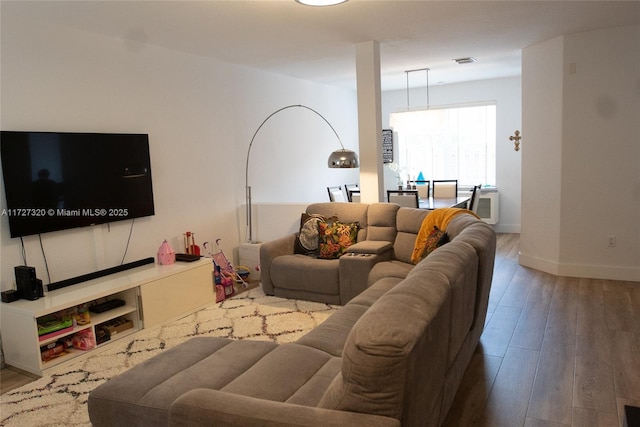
<point x="448" y="143"/>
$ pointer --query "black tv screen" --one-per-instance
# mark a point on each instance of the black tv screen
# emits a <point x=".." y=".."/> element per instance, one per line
<point x="56" y="181"/>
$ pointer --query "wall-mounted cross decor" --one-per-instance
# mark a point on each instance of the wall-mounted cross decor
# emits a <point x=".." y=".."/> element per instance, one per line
<point x="516" y="140"/>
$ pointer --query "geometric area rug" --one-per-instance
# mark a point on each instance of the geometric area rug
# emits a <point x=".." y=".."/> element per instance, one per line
<point x="60" y="398"/>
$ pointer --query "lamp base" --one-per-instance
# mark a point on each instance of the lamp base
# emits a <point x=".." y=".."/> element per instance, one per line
<point x="249" y="256"/>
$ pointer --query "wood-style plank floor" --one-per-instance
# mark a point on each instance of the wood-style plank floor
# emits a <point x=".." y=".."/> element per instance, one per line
<point x="556" y="351"/>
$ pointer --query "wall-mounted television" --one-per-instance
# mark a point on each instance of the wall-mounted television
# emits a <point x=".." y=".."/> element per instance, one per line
<point x="61" y="180"/>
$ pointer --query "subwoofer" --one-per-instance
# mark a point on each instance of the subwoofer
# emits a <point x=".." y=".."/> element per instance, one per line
<point x="29" y="286"/>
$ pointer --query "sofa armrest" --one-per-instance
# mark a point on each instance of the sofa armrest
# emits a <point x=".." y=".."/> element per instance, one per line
<point x="206" y="407"/>
<point x="268" y="252"/>
<point x="370" y="247"/>
<point x="354" y="272"/>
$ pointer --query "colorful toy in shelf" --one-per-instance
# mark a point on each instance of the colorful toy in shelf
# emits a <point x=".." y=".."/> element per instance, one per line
<point x="84" y="340"/>
<point x="52" y="350"/>
<point x="83" y="317"/>
<point x="166" y="254"/>
<point x="54" y="324"/>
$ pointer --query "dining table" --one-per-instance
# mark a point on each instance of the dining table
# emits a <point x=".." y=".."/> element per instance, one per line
<point x="444" y="202"/>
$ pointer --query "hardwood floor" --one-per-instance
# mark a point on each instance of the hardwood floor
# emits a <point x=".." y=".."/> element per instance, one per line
<point x="555" y="352"/>
<point x="11" y="378"/>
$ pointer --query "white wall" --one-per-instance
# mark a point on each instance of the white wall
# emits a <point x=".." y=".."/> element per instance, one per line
<point x="581" y="96"/>
<point x="200" y="115"/>
<point x="542" y="150"/>
<point x="507" y="95"/>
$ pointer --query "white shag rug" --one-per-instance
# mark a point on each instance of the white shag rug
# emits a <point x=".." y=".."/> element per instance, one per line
<point x="60" y="399"/>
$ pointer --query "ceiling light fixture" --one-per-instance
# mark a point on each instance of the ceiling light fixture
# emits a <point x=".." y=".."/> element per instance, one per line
<point x="411" y="71"/>
<point x="467" y="60"/>
<point x="320" y="2"/>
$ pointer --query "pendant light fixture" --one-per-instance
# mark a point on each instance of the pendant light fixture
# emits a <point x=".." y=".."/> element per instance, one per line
<point x="320" y="2"/>
<point x="412" y="71"/>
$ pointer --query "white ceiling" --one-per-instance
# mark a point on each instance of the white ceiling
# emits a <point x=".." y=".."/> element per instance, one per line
<point x="318" y="44"/>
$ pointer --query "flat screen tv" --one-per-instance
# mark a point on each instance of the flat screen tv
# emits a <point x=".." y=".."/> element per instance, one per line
<point x="56" y="181"/>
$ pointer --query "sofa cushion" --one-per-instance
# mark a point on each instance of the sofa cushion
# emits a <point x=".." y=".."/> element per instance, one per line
<point x="331" y="335"/>
<point x="307" y="237"/>
<point x="273" y="378"/>
<point x="435" y="239"/>
<point x="459" y="263"/>
<point x="382" y="222"/>
<point x="345" y="212"/>
<point x="370" y="247"/>
<point x="311" y="274"/>
<point x="143" y="394"/>
<point x="408" y="222"/>
<point x="482" y="238"/>
<point x="375" y="291"/>
<point x="395" y="269"/>
<point x="335" y="238"/>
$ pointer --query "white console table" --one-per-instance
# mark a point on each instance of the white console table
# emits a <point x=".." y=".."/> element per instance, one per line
<point x="153" y="294"/>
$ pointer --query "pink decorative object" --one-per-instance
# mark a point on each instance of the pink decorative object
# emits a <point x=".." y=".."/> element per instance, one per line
<point x="166" y="254"/>
<point x="220" y="293"/>
<point x="84" y="340"/>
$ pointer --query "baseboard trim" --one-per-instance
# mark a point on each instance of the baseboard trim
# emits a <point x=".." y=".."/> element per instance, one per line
<point x="507" y="228"/>
<point x="606" y="272"/>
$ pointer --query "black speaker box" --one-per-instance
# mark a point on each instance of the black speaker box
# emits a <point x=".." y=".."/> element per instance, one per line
<point x="29" y="286"/>
<point x="9" y="296"/>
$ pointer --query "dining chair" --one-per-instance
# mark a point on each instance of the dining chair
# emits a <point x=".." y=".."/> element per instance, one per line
<point x="445" y="188"/>
<point x="354" y="196"/>
<point x="348" y="188"/>
<point x="423" y="187"/>
<point x="405" y="198"/>
<point x="336" y="194"/>
<point x="475" y="198"/>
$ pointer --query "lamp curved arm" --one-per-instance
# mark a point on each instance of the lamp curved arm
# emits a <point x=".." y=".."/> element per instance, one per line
<point x="350" y="161"/>
<point x="246" y="178"/>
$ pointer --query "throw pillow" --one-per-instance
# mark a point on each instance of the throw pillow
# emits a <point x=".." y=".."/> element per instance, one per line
<point x="307" y="238"/>
<point x="435" y="239"/>
<point x="335" y="238"/>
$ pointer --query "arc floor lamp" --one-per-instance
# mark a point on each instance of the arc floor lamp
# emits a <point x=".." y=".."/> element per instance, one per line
<point x="341" y="158"/>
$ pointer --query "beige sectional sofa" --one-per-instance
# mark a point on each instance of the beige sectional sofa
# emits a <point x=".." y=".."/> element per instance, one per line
<point x="386" y="234"/>
<point x="393" y="355"/>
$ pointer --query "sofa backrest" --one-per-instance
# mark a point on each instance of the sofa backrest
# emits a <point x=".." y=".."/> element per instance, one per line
<point x="408" y="222"/>
<point x="395" y="357"/>
<point x="346" y="212"/>
<point x="382" y="222"/>
<point x="482" y="238"/>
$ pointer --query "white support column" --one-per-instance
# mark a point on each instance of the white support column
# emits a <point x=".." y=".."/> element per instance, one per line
<point x="370" y="121"/>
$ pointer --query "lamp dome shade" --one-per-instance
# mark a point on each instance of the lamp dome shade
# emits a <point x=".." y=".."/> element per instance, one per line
<point x="320" y="2"/>
<point x="343" y="158"/>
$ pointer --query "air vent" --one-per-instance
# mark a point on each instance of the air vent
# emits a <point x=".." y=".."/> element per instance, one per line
<point x="468" y="60"/>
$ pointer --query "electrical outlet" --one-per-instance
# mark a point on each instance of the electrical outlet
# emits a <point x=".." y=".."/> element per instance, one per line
<point x="612" y="241"/>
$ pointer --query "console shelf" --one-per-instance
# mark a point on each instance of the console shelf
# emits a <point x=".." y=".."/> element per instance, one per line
<point x="153" y="294"/>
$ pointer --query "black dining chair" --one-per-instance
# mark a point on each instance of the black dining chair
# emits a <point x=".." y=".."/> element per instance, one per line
<point x="475" y="198"/>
